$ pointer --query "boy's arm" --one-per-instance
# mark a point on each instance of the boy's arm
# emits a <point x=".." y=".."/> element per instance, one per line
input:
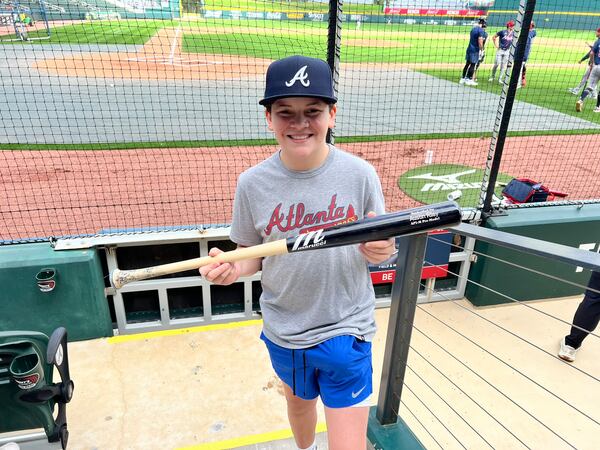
<point x="228" y="273"/>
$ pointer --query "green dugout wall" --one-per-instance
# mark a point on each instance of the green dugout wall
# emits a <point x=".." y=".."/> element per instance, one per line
<point x="42" y="289"/>
<point x="575" y="226"/>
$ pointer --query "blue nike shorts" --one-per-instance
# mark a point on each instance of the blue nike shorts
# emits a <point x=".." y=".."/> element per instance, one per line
<point x="339" y="370"/>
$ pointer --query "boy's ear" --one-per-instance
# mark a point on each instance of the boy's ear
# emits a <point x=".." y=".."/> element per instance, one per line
<point x="332" y="113"/>
<point x="269" y="122"/>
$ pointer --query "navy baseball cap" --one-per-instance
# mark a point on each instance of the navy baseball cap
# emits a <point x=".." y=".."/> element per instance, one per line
<point x="298" y="76"/>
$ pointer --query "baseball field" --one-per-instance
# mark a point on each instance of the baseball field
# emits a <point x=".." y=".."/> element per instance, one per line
<point x="122" y="93"/>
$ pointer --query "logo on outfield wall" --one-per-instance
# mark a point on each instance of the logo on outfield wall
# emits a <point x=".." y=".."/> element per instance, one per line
<point x="432" y="183"/>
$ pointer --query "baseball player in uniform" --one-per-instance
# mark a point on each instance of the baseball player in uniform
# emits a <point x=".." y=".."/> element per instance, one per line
<point x="584" y="79"/>
<point x="502" y="41"/>
<point x="474" y="53"/>
<point x="481" y="53"/>
<point x="530" y="37"/>
<point x="594" y="74"/>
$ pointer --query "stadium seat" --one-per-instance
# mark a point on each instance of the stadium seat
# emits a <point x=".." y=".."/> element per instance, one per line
<point x="27" y="394"/>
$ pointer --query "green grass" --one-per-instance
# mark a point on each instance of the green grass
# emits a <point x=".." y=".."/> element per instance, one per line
<point x="546" y="87"/>
<point x="259" y="46"/>
<point x="419" y="44"/>
<point x="101" y="32"/>
<point x="417" y="189"/>
<point x="256" y="142"/>
<point x="412" y="48"/>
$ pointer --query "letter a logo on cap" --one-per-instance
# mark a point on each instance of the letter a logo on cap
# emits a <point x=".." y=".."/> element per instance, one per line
<point x="300" y="76"/>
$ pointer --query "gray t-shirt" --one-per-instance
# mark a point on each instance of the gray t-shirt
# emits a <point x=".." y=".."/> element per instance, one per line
<point x="310" y="296"/>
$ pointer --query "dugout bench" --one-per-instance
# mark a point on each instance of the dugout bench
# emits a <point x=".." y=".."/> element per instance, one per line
<point x="28" y="396"/>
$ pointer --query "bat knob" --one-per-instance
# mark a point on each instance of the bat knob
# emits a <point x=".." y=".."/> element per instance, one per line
<point x="116" y="280"/>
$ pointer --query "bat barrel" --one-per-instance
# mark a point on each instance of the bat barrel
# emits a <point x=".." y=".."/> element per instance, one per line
<point x="402" y="223"/>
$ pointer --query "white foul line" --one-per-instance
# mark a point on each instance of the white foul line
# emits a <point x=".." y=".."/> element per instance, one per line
<point x="174" y="44"/>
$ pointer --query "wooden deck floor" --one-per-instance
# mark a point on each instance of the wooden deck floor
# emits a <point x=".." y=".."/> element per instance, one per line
<point x="474" y="385"/>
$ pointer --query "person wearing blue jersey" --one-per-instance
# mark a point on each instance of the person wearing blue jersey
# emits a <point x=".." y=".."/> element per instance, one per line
<point x="474" y="52"/>
<point x="502" y="41"/>
<point x="594" y="75"/>
<point x="481" y="53"/>
<point x="530" y="37"/>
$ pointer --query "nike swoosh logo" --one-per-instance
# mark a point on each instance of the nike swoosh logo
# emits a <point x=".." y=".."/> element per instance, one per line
<point x="356" y="394"/>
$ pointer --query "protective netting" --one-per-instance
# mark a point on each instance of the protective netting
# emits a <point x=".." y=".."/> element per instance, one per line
<point x="136" y="115"/>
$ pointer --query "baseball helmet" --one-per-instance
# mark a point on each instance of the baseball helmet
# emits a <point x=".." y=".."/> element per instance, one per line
<point x="298" y="76"/>
<point x="510" y="24"/>
<point x="483" y="23"/>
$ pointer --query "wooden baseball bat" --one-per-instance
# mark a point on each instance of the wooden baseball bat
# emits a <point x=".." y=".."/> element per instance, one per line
<point x="400" y="223"/>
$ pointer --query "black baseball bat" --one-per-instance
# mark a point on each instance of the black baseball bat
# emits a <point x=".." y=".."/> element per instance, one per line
<point x="399" y="223"/>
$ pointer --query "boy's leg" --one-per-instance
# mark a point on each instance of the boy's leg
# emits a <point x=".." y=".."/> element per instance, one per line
<point x="302" y="415"/>
<point x="346" y="386"/>
<point x="347" y="427"/>
<point x="290" y="366"/>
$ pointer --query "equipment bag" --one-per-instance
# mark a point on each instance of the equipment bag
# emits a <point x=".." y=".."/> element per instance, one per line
<point x="524" y="190"/>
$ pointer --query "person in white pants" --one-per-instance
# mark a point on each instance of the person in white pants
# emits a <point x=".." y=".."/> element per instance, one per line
<point x="502" y="41"/>
<point x="584" y="79"/>
<point x="594" y="76"/>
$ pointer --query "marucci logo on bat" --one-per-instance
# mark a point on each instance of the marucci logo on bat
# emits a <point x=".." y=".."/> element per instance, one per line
<point x="311" y="239"/>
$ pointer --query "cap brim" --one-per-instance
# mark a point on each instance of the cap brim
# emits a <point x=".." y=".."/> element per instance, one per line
<point x="268" y="100"/>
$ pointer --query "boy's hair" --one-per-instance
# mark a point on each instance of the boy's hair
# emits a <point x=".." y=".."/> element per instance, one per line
<point x="298" y="76"/>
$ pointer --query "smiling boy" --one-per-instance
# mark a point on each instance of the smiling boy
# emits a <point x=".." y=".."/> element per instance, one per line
<point x="317" y="307"/>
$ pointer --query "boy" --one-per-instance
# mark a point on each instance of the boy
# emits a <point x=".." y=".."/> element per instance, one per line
<point x="318" y="307"/>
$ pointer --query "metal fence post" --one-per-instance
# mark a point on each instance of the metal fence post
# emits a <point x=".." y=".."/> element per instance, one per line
<point x="334" y="45"/>
<point x="506" y="104"/>
<point x="409" y="264"/>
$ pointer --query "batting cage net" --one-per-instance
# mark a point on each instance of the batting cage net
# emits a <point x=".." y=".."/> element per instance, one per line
<point x="137" y="115"/>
